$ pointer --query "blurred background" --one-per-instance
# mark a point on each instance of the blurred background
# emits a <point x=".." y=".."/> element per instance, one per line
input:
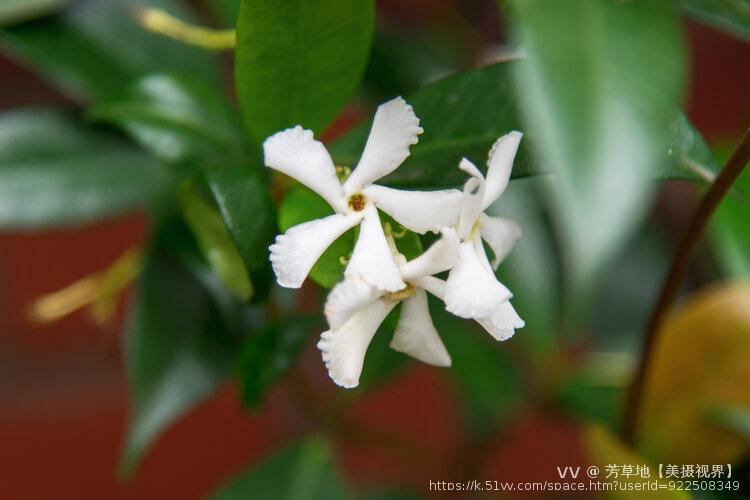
<point x="63" y="404"/>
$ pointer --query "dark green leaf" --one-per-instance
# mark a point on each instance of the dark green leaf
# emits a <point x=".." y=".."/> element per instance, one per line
<point x="268" y="355"/>
<point x="245" y="204"/>
<point x="225" y="11"/>
<point x="179" y="119"/>
<point x="598" y="89"/>
<point x="732" y="16"/>
<point x="300" y="62"/>
<point x="15" y="11"/>
<point x="176" y="352"/>
<point x="54" y="171"/>
<point x="303" y="471"/>
<point x="462" y="116"/>
<point x="214" y="241"/>
<point x="97" y="48"/>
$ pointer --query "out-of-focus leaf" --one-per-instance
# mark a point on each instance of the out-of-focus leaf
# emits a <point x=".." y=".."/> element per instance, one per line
<point x="15" y="11"/>
<point x="214" y="241"/>
<point x="731" y="16"/>
<point x="97" y="47"/>
<point x="730" y="229"/>
<point x="54" y="171"/>
<point x="598" y="88"/>
<point x="176" y="351"/>
<point x="268" y="355"/>
<point x="689" y="156"/>
<point x="178" y="119"/>
<point x="462" y="115"/>
<point x="302" y="205"/>
<point x="732" y="418"/>
<point x="226" y="11"/>
<point x="700" y="363"/>
<point x="301" y="63"/>
<point x="602" y="448"/>
<point x="302" y="471"/>
<point x="245" y="204"/>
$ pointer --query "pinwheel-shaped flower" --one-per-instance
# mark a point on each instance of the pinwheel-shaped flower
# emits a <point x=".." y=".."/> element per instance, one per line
<point x="295" y="153"/>
<point x="355" y="310"/>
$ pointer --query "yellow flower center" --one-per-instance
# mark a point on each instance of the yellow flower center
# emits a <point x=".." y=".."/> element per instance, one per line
<point x="357" y="202"/>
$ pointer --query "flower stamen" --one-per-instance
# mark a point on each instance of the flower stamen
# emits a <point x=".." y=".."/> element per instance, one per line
<point x="394" y="297"/>
<point x="357" y="202"/>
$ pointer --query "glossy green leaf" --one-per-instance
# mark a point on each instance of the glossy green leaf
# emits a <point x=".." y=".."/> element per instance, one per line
<point x="302" y="471"/>
<point x="97" y="48"/>
<point x="300" y="62"/>
<point x="176" y="351"/>
<point x="15" y="11"/>
<point x="731" y="16"/>
<point x="54" y="171"/>
<point x="266" y="356"/>
<point x="245" y="204"/>
<point x="178" y="119"/>
<point x="598" y="88"/>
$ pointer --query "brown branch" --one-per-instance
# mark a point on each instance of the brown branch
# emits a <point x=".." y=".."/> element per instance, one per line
<point x="676" y="275"/>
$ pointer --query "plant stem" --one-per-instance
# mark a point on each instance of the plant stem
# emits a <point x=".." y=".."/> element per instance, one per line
<point x="676" y="275"/>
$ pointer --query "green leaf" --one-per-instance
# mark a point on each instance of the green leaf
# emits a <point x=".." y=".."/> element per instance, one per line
<point x="689" y="156"/>
<point x="245" y="204"/>
<point x="226" y="11"/>
<point x="178" y="119"/>
<point x="268" y="355"/>
<point x="598" y="89"/>
<point x="15" y="11"/>
<point x="54" y="171"/>
<point x="214" y="241"/>
<point x="176" y="351"/>
<point x="729" y="226"/>
<point x="300" y="62"/>
<point x="302" y="471"/>
<point x="97" y="48"/>
<point x="731" y="16"/>
<point x="462" y="116"/>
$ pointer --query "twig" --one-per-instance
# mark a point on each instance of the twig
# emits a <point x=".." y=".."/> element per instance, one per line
<point x="676" y="275"/>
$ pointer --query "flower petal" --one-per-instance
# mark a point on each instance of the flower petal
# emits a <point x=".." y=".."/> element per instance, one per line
<point x="372" y="259"/>
<point x="472" y="290"/>
<point x="499" y="166"/>
<point x="344" y="349"/>
<point x="503" y="322"/>
<point x="434" y="285"/>
<point x="441" y="256"/>
<point x="346" y="299"/>
<point x="294" y="152"/>
<point x="501" y="234"/>
<point x="416" y="335"/>
<point x="394" y="129"/>
<point x="471" y="205"/>
<point x="296" y="251"/>
<point x="418" y="211"/>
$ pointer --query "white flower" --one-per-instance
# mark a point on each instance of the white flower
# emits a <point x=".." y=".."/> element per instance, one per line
<point x="295" y="153"/>
<point x="355" y="310"/>
<point x="472" y="290"/>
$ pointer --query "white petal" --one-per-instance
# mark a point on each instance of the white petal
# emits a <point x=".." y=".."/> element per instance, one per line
<point x="296" y="251"/>
<point x="441" y="256"/>
<point x="503" y="322"/>
<point x="346" y="299"/>
<point x="471" y="205"/>
<point x="416" y="335"/>
<point x="501" y="234"/>
<point x="418" y="211"/>
<point x="394" y="129"/>
<point x="434" y="285"/>
<point x="344" y="349"/>
<point x="372" y="260"/>
<point x="499" y="165"/>
<point x="472" y="290"/>
<point x="294" y="152"/>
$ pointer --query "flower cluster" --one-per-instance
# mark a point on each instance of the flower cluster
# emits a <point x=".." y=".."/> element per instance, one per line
<point x="377" y="276"/>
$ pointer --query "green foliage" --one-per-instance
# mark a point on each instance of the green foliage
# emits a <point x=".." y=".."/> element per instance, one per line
<point x="599" y="99"/>
<point x="14" y="11"/>
<point x="301" y="63"/>
<point x="730" y="229"/>
<point x="177" y="350"/>
<point x="54" y="171"/>
<point x="731" y="16"/>
<point x="689" y="156"/>
<point x="98" y="48"/>
<point x="302" y="471"/>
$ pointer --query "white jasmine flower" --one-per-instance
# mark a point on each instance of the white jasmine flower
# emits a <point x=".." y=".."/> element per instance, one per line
<point x="355" y="310"/>
<point x="295" y="153"/>
<point x="472" y="290"/>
